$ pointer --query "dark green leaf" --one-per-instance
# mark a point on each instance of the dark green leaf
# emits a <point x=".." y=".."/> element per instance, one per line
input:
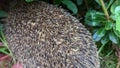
<point x="99" y="34"/>
<point x="113" y="38"/>
<point x="1" y="25"/>
<point x="110" y="3"/>
<point x="108" y="25"/>
<point x="98" y="1"/>
<point x="3" y="50"/>
<point x="3" y="13"/>
<point x="57" y="1"/>
<point x="117" y="33"/>
<point x="29" y="0"/>
<point x="79" y="2"/>
<point x="70" y="5"/>
<point x="94" y="18"/>
<point x="105" y="40"/>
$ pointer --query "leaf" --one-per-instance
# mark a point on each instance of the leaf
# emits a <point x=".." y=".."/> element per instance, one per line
<point x="1" y="25"/>
<point x="79" y="2"/>
<point x="70" y="5"/>
<point x="110" y="3"/>
<point x="3" y="13"/>
<point x="3" y="50"/>
<point x="117" y="16"/>
<point x="105" y="40"/>
<point x="108" y="25"/>
<point x="57" y="2"/>
<point x="114" y="5"/>
<point x="98" y="1"/>
<point x="17" y="65"/>
<point x="113" y="38"/>
<point x="94" y="18"/>
<point x="113" y="16"/>
<point x="99" y="34"/>
<point x="29" y="0"/>
<point x="117" y="33"/>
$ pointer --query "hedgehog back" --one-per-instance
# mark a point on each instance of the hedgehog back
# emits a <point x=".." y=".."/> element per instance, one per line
<point x="41" y="35"/>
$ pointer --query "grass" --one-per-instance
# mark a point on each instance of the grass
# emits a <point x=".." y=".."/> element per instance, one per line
<point x="108" y="61"/>
<point x="6" y="50"/>
<point x="107" y="56"/>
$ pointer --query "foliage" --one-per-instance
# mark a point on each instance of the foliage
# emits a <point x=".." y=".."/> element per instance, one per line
<point x="107" y="27"/>
<point x="5" y="49"/>
<point x="105" y="24"/>
<point x="70" y="5"/>
<point x="29" y="0"/>
<point x="3" y="13"/>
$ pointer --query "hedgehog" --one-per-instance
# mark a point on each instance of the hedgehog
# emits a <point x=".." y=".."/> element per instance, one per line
<point x="42" y="35"/>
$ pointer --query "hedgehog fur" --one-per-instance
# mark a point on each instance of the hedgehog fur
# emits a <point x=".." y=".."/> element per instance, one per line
<point x="42" y="35"/>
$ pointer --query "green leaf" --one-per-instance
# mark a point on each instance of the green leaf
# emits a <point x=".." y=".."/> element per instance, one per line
<point x="98" y="1"/>
<point x="99" y="34"/>
<point x="57" y="2"/>
<point x="105" y="40"/>
<point x="110" y="3"/>
<point x="117" y="16"/>
<point x="113" y="38"/>
<point x="70" y="5"/>
<point x="114" y="5"/>
<point x="94" y="18"/>
<point x="117" y="33"/>
<point x="113" y="17"/>
<point x="3" y="50"/>
<point x="3" y="13"/>
<point x="108" y="25"/>
<point x="29" y="0"/>
<point x="79" y="2"/>
<point x="1" y="25"/>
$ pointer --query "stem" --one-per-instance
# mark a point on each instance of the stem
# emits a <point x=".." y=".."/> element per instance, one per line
<point x="101" y="48"/>
<point x="11" y="54"/>
<point x="6" y="45"/>
<point x="86" y="4"/>
<point x="118" y="63"/>
<point x="109" y="53"/>
<point x="104" y="9"/>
